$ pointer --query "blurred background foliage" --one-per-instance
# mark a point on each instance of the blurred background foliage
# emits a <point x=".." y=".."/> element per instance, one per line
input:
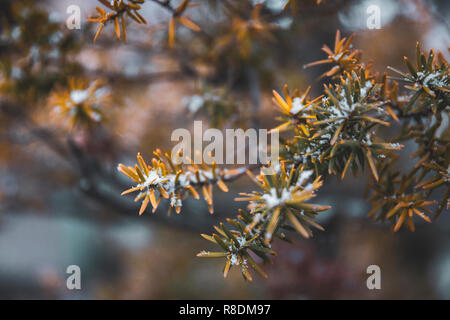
<point x="59" y="188"/>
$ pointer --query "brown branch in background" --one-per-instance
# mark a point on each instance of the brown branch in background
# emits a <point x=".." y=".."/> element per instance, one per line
<point x="103" y="186"/>
<point x="14" y="111"/>
<point x="165" y="4"/>
<point x="140" y="79"/>
<point x="255" y="95"/>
